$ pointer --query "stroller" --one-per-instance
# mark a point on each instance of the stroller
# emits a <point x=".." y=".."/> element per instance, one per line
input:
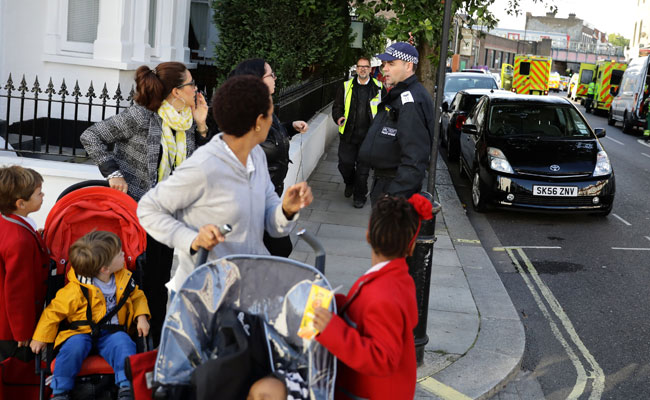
<point x="201" y="356"/>
<point x="80" y="209"/>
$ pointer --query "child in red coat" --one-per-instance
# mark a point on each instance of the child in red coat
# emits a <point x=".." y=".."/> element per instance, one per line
<point x="372" y="335"/>
<point x="24" y="262"/>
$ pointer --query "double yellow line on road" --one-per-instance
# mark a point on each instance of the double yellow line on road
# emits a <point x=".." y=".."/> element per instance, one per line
<point x="441" y="390"/>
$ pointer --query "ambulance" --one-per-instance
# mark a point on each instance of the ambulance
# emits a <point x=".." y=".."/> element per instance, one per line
<point x="608" y="75"/>
<point x="531" y="74"/>
<point x="554" y="82"/>
<point x="586" y="75"/>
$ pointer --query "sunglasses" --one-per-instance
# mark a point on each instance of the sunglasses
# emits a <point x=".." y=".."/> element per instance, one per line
<point x="363" y="66"/>
<point x="190" y="83"/>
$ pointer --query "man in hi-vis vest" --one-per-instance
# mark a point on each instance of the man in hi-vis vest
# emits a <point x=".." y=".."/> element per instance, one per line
<point x="354" y="108"/>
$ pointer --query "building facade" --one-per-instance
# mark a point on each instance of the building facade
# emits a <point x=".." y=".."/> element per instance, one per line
<point x="640" y="42"/>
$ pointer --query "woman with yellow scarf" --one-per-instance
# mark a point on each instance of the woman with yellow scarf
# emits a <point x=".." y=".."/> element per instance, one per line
<point x="150" y="139"/>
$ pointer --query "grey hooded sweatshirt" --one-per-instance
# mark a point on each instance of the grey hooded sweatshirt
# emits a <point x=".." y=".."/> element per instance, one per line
<point x="213" y="187"/>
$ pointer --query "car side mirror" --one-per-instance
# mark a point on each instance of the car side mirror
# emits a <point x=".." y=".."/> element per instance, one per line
<point x="469" y="129"/>
<point x="600" y="132"/>
<point x="613" y="91"/>
<point x="444" y="106"/>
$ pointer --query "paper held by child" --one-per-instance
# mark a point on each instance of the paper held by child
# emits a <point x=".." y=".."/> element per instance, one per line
<point x="318" y="297"/>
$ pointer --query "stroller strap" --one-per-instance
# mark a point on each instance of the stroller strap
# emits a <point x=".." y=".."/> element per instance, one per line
<point x="103" y="324"/>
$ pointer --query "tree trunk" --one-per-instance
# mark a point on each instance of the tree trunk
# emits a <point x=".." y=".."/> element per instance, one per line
<point x="427" y="70"/>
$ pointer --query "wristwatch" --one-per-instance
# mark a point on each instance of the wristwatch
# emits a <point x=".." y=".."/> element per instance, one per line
<point x="115" y="174"/>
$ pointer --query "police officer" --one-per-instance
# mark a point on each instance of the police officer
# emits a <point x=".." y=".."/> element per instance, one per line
<point x="398" y="143"/>
<point x="354" y="107"/>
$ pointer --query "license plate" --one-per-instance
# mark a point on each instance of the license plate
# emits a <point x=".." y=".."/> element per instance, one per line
<point x="559" y="191"/>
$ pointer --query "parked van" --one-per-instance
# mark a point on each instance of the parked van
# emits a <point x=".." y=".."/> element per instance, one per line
<point x="628" y="100"/>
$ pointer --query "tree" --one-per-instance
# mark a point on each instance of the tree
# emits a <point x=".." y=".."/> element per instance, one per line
<point x="299" y="38"/>
<point x="423" y="20"/>
<point x="618" y="40"/>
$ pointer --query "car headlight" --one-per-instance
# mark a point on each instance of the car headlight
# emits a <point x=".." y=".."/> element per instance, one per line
<point x="498" y="161"/>
<point x="603" y="166"/>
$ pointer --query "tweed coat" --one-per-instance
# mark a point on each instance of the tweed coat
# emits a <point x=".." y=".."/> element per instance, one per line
<point x="136" y="134"/>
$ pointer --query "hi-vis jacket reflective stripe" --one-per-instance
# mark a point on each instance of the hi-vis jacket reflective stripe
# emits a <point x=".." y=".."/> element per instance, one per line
<point x="347" y="93"/>
<point x="591" y="88"/>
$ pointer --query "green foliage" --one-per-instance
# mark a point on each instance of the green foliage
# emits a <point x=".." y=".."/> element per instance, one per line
<point x="298" y="38"/>
<point x="618" y="40"/>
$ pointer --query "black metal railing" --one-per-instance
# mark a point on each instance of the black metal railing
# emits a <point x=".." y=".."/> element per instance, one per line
<point x="56" y="119"/>
<point x="48" y="123"/>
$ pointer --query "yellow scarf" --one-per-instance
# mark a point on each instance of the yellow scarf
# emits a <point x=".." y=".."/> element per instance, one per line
<point x="174" y="150"/>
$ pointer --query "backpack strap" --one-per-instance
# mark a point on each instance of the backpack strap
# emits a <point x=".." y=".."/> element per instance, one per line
<point x="104" y="323"/>
<point x="39" y="240"/>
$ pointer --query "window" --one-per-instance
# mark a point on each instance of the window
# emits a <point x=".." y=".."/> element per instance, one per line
<point x="200" y="14"/>
<point x="586" y="76"/>
<point x="524" y="68"/>
<point x="542" y="121"/>
<point x="83" y="17"/>
<point x="491" y="59"/>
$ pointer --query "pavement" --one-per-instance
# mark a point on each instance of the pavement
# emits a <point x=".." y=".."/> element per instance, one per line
<point x="476" y="339"/>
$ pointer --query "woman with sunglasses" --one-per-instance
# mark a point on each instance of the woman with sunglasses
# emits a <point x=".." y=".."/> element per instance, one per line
<point x="276" y="145"/>
<point x="150" y="139"/>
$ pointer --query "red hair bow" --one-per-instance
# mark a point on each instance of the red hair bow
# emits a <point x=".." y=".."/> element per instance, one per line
<point x="422" y="206"/>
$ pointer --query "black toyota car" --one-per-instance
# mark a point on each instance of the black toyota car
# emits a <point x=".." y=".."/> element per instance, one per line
<point x="535" y="153"/>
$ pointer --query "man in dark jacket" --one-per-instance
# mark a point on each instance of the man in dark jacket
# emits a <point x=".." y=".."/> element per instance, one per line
<point x="354" y="107"/>
<point x="398" y="143"/>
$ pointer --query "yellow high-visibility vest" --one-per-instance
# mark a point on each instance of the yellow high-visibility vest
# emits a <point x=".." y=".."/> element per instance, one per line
<point x="347" y="90"/>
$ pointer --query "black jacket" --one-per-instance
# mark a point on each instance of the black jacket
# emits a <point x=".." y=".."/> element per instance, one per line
<point x="398" y="143"/>
<point x="276" y="148"/>
<point x="338" y="108"/>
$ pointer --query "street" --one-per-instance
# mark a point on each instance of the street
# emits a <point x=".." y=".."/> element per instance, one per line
<point x="580" y="283"/>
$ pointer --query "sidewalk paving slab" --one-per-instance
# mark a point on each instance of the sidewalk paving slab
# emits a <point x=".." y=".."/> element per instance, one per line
<point x="476" y="340"/>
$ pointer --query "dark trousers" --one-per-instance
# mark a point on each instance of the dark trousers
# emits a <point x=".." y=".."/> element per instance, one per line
<point x="280" y="247"/>
<point x="353" y="171"/>
<point x="157" y="271"/>
<point x="379" y="186"/>
<point x="588" y="101"/>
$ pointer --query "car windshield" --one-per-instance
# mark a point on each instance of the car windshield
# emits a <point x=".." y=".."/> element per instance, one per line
<point x="542" y="121"/>
<point x="455" y="84"/>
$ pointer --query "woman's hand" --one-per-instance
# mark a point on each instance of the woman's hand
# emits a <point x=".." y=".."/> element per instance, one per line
<point x="119" y="184"/>
<point x="200" y="114"/>
<point x="208" y="237"/>
<point x="37" y="346"/>
<point x="143" y="325"/>
<point x="300" y="126"/>
<point x="296" y="198"/>
<point x="322" y="317"/>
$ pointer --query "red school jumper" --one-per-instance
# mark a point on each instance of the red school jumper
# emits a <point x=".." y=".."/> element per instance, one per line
<point x="373" y="336"/>
<point x="24" y="267"/>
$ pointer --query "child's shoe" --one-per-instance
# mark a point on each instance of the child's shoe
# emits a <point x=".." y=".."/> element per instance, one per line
<point x="61" y="396"/>
<point x="124" y="393"/>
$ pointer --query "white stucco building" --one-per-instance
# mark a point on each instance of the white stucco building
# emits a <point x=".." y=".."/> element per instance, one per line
<point x="99" y="40"/>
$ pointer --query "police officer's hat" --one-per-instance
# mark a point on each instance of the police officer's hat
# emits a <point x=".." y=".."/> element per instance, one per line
<point x="400" y="51"/>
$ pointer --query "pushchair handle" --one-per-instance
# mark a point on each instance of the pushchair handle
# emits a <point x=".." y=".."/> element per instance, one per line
<point x="202" y="256"/>
<point x="318" y="248"/>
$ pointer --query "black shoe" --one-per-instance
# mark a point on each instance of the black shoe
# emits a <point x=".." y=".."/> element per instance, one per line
<point x="61" y="396"/>
<point x="124" y="393"/>
<point x="349" y="189"/>
<point x="359" y="203"/>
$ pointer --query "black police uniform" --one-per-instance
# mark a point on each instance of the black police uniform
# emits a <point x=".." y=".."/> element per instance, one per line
<point x="398" y="143"/>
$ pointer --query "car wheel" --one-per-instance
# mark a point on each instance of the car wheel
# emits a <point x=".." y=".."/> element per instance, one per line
<point x="627" y="124"/>
<point x="478" y="193"/>
<point x="610" y="118"/>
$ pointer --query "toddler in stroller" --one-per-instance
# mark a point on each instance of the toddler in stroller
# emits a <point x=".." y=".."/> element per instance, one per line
<point x="82" y="208"/>
<point x="98" y="284"/>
